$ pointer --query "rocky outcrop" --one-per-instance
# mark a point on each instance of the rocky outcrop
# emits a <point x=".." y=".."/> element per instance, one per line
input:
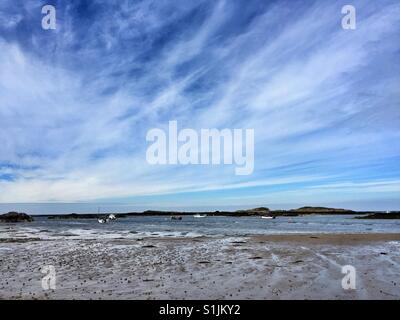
<point x="253" y="212"/>
<point x="260" y="211"/>
<point x="381" y="215"/>
<point x="15" y="217"/>
<point x="75" y="216"/>
<point x="321" y="210"/>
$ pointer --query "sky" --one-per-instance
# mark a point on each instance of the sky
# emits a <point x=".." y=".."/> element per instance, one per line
<point x="77" y="102"/>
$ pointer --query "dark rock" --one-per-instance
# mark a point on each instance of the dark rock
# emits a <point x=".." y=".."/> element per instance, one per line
<point x="74" y="216"/>
<point x="19" y="240"/>
<point x="15" y="217"/>
<point x="381" y="215"/>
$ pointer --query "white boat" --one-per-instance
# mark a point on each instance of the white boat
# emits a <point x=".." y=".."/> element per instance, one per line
<point x="107" y="219"/>
<point x="200" y="216"/>
<point x="266" y="217"/>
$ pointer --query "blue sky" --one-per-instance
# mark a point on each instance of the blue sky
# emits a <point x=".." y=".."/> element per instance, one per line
<point x="76" y="102"/>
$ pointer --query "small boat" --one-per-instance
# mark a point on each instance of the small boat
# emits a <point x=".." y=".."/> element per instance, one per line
<point x="200" y="215"/>
<point x="176" y="218"/>
<point x="267" y="217"/>
<point x="107" y="219"/>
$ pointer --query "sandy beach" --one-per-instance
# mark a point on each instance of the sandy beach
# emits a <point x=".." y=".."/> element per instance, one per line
<point x="304" y="266"/>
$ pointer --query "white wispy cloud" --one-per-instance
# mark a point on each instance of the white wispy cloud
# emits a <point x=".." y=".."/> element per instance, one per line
<point x="75" y="106"/>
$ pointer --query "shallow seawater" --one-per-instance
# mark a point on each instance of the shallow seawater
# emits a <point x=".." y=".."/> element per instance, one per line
<point x="189" y="226"/>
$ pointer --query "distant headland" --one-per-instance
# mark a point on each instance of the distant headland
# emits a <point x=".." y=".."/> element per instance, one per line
<point x="260" y="211"/>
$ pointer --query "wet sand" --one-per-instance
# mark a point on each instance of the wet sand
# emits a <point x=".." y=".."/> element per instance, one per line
<point x="253" y="267"/>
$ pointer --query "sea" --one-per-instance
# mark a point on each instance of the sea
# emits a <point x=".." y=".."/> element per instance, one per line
<point x="190" y="226"/>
